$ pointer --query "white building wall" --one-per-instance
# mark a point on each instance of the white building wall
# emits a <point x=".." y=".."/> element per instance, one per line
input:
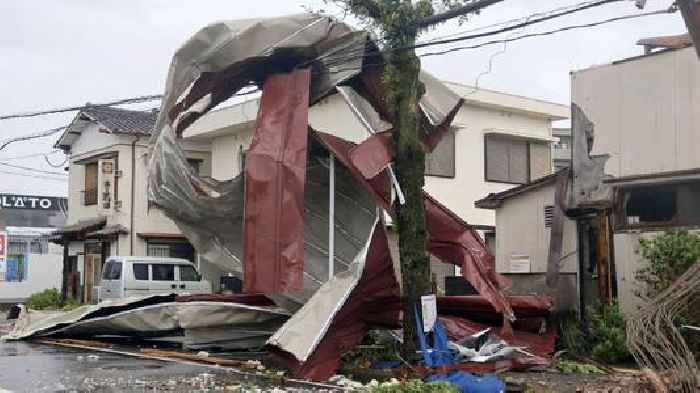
<point x="520" y="230"/>
<point x="91" y="142"/>
<point x="43" y="272"/>
<point x="469" y="184"/>
<point x="645" y="112"/>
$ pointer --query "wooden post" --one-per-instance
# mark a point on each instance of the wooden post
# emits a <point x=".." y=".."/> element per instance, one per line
<point x="66" y="272"/>
<point x="603" y="263"/>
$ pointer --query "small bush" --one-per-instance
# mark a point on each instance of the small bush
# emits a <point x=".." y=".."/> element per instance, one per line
<point x="603" y="338"/>
<point x="70" y="304"/>
<point x="607" y="335"/>
<point x="416" y="386"/>
<point x="668" y="256"/>
<point x="572" y="336"/>
<point x="46" y="299"/>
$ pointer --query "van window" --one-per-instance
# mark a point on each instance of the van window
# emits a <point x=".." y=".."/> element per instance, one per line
<point x="163" y="272"/>
<point x="187" y="273"/>
<point x="112" y="271"/>
<point x="141" y="271"/>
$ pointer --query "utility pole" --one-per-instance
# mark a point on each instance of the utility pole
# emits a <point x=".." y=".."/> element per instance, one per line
<point x="401" y="22"/>
<point x="690" y="9"/>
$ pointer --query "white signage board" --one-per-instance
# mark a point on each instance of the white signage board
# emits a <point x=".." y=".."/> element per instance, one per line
<point x="520" y="263"/>
<point x="429" y="311"/>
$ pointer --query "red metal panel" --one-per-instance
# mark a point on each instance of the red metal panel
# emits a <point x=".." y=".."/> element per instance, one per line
<point x="373" y="154"/>
<point x="453" y="241"/>
<point x="374" y="302"/>
<point x="274" y="187"/>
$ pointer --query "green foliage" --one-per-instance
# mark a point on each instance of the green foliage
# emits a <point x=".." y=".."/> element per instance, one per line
<point x="50" y="299"/>
<point x="608" y="335"/>
<point x="567" y="366"/>
<point x="416" y="386"/>
<point x="604" y="338"/>
<point x="572" y="336"/>
<point x="46" y="299"/>
<point x="668" y="256"/>
<point x="70" y="304"/>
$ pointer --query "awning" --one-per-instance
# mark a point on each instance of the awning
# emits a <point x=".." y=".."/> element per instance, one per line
<point x="520" y="135"/>
<point x="109" y="230"/>
<point x="157" y="235"/>
<point x="78" y="230"/>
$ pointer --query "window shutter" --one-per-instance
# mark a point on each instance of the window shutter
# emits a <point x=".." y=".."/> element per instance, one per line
<point x="518" y="164"/>
<point x="441" y="161"/>
<point x="497" y="162"/>
<point x="540" y="160"/>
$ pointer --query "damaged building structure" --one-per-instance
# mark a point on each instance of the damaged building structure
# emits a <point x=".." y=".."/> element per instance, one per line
<point x="636" y="160"/>
<point x="301" y="195"/>
<point x="495" y="142"/>
<point x="634" y="173"/>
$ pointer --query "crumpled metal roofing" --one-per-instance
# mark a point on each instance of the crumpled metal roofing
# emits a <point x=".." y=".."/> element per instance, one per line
<point x="224" y="57"/>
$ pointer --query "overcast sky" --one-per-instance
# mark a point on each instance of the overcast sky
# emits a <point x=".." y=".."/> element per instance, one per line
<point x="63" y="53"/>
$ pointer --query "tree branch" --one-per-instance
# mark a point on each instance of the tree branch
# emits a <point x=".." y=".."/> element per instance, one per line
<point x="455" y="12"/>
<point x="370" y="7"/>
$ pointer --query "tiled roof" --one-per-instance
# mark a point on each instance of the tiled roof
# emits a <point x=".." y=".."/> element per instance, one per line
<point x="122" y="121"/>
<point x="495" y="200"/>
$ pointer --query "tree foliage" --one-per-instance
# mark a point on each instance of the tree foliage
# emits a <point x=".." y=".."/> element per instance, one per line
<point x="668" y="256"/>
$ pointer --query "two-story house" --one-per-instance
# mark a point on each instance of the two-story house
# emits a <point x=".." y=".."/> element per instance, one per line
<point x="643" y="113"/>
<point x="109" y="213"/>
<point x="497" y="142"/>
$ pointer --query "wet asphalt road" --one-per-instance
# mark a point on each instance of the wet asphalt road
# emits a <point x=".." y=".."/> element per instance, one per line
<point x="28" y="367"/>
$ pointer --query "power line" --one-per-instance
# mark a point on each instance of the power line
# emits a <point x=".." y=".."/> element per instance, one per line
<point x="133" y="100"/>
<point x="51" y="164"/>
<point x="34" y="176"/>
<point x="42" y="134"/>
<point x="520" y="37"/>
<point x="26" y="168"/>
<point x="528" y="21"/>
<point x="5" y="159"/>
<point x="551" y="32"/>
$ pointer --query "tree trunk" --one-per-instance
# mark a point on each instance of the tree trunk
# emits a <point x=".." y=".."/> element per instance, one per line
<point x="405" y="90"/>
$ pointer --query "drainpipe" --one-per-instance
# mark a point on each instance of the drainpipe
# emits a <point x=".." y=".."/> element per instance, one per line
<point x="133" y="192"/>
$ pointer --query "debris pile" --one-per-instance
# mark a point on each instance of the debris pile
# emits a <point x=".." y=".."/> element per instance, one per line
<point x="270" y="223"/>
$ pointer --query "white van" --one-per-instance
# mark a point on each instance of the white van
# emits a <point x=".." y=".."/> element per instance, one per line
<point x="140" y="276"/>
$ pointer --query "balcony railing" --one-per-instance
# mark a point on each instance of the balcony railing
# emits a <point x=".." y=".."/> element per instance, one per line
<point x="89" y="197"/>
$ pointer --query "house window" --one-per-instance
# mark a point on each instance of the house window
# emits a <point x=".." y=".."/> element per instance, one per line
<point x="16" y="261"/>
<point x="507" y="160"/>
<point x="490" y="240"/>
<point x="38" y="246"/>
<point x="195" y="164"/>
<point x="441" y="161"/>
<point x="90" y="192"/>
<point x="172" y="249"/>
<point x="158" y="250"/>
<point x="662" y="205"/>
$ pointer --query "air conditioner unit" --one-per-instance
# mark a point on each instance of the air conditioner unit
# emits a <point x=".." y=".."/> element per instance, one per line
<point x="117" y="205"/>
<point x="118" y="174"/>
